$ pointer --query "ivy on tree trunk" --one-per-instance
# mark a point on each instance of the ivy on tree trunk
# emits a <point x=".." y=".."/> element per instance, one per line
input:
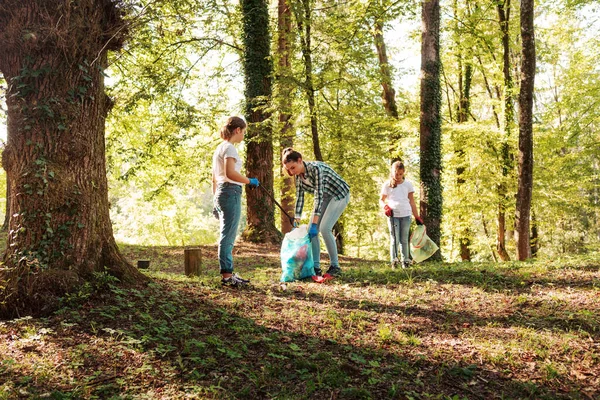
<point x="258" y="69"/>
<point x="60" y="234"/>
<point x="430" y="124"/>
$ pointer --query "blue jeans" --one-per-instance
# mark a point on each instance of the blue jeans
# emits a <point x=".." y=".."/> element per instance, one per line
<point x="399" y="228"/>
<point x="331" y="211"/>
<point x="228" y="202"/>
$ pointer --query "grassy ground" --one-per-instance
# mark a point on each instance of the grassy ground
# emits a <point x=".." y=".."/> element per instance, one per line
<point x="435" y="331"/>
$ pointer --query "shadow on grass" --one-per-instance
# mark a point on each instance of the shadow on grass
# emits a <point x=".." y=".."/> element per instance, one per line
<point x="174" y="340"/>
<point x="497" y="279"/>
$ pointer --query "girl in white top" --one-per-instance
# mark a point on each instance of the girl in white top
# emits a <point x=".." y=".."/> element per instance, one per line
<point x="227" y="190"/>
<point x="398" y="203"/>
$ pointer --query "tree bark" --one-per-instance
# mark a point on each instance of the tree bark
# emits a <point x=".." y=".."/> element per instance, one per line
<point x="462" y="115"/>
<point x="508" y="120"/>
<point x="304" y="21"/>
<point x="525" y="184"/>
<point x="284" y="24"/>
<point x="430" y="123"/>
<point x="60" y="232"/>
<point x="388" y="95"/>
<point x="258" y="70"/>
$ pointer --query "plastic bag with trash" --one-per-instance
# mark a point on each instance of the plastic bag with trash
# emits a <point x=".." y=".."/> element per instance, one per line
<point x="296" y="255"/>
<point x="421" y="246"/>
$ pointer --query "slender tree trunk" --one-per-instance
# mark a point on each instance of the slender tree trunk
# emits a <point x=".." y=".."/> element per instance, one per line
<point x="462" y="115"/>
<point x="430" y="124"/>
<point x="284" y="24"/>
<point x="258" y="70"/>
<point x="304" y="19"/>
<point x="535" y="237"/>
<point x="508" y="121"/>
<point x="525" y="186"/>
<point x="389" y="94"/>
<point x="59" y="230"/>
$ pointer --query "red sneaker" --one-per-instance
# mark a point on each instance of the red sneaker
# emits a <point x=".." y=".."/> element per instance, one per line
<point x="327" y="277"/>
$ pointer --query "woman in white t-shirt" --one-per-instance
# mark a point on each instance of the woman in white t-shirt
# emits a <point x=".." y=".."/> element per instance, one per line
<point x="398" y="203"/>
<point x="227" y="190"/>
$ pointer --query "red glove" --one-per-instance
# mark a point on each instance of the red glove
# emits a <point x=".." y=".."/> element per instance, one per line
<point x="387" y="210"/>
<point x="419" y="220"/>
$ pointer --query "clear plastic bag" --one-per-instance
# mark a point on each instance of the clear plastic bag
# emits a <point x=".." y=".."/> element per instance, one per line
<point x="296" y="256"/>
<point x="421" y="246"/>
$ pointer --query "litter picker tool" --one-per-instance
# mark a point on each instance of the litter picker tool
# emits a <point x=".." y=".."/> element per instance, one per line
<point x="292" y="220"/>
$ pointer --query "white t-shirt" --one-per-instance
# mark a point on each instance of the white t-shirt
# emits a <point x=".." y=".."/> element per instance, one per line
<point x="397" y="198"/>
<point x="225" y="150"/>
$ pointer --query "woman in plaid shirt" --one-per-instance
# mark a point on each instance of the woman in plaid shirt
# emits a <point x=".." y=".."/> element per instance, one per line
<point x="332" y="195"/>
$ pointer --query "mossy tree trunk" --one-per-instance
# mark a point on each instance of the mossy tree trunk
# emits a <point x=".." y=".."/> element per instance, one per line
<point x="258" y="69"/>
<point x="525" y="185"/>
<point x="430" y="124"/>
<point x="53" y="58"/>
<point x="285" y="90"/>
<point x="507" y="125"/>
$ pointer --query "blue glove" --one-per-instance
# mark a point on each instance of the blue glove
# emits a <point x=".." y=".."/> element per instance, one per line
<point x="312" y="231"/>
<point x="253" y="182"/>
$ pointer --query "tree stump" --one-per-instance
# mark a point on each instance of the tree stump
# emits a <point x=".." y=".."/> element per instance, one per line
<point x="193" y="261"/>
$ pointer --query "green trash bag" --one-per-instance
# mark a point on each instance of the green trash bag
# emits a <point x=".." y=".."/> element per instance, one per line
<point x="421" y="246"/>
<point x="296" y="256"/>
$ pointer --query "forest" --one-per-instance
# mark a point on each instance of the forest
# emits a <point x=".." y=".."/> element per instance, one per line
<point x="344" y="88"/>
<point x="109" y="116"/>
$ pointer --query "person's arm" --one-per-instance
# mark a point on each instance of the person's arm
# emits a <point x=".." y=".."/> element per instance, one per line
<point x="413" y="206"/>
<point x="214" y="183"/>
<point x="232" y="174"/>
<point x="299" y="199"/>
<point x="319" y="189"/>
<point x="383" y="200"/>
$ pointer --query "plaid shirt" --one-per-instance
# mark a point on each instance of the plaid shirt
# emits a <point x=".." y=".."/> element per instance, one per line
<point x="320" y="180"/>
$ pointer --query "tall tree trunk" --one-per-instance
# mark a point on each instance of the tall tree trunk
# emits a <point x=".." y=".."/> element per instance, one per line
<point x="430" y="124"/>
<point x="462" y="115"/>
<point x="304" y="20"/>
<point x="525" y="186"/>
<point x="258" y="70"/>
<point x="389" y="94"/>
<point x="284" y="24"/>
<point x="508" y="121"/>
<point x="59" y="230"/>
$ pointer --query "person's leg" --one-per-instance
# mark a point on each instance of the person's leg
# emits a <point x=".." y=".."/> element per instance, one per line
<point x="329" y="217"/>
<point x="394" y="226"/>
<point x="404" y="229"/>
<point x="229" y="205"/>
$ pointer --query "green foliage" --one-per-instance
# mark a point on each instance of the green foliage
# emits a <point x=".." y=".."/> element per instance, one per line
<point x="182" y="74"/>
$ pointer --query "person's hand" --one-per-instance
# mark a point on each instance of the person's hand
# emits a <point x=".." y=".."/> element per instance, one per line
<point x="215" y="213"/>
<point x="253" y="182"/>
<point x="387" y="210"/>
<point x="419" y="220"/>
<point x="312" y="231"/>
